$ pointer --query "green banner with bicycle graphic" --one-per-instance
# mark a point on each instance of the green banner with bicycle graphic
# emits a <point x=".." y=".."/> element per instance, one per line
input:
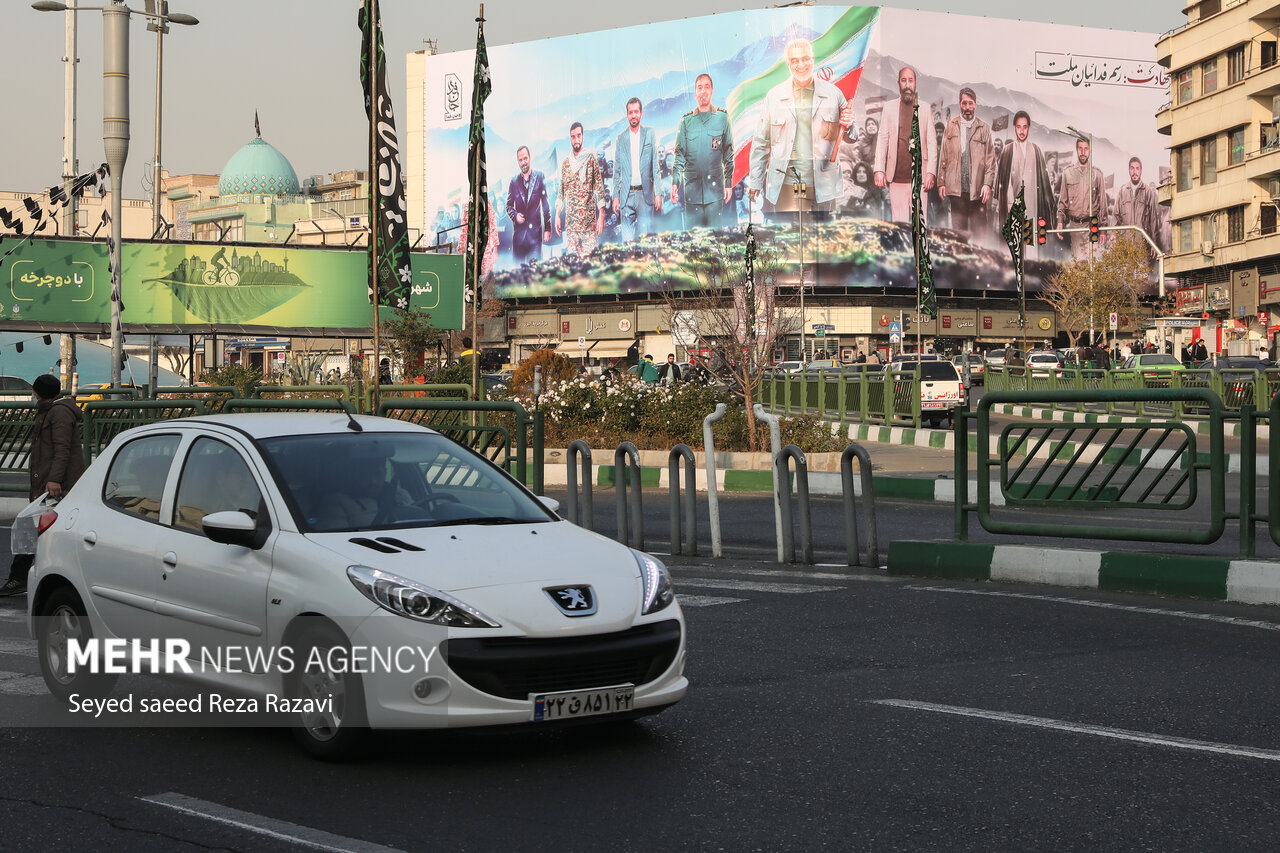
<point x="203" y="286"/>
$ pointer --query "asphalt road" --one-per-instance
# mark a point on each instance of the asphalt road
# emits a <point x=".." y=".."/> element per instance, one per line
<point x="829" y="709"/>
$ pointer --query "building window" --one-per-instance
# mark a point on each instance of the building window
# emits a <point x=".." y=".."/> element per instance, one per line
<point x="1235" y="65"/>
<point x="1268" y="53"/>
<point x="1235" y="146"/>
<point x="1209" y="228"/>
<point x="1184" y="168"/>
<point x="1184" y="86"/>
<point x="1268" y="218"/>
<point x="1210" y="7"/>
<point x="1208" y="76"/>
<point x="1235" y="225"/>
<point x="1185" y="240"/>
<point x="1208" y="160"/>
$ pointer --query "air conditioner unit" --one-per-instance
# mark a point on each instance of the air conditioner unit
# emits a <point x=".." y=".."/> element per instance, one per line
<point x="1206" y="248"/>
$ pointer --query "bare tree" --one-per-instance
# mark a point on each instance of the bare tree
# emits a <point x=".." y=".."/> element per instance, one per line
<point x="729" y="303"/>
<point x="179" y="359"/>
<point x="1086" y="292"/>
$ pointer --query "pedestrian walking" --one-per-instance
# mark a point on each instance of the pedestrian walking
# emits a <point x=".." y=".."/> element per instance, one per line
<point x="57" y="461"/>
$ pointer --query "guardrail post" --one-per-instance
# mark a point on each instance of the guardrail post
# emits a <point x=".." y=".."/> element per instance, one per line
<point x="960" y="438"/>
<point x="629" y="505"/>
<point x="802" y="492"/>
<point x="691" y="500"/>
<point x="1248" y="479"/>
<point x="850" y="508"/>
<point x="581" y="517"/>
<point x="775" y="446"/>
<point x="713" y="501"/>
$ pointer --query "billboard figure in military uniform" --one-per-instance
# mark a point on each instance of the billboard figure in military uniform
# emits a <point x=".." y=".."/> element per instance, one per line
<point x="704" y="159"/>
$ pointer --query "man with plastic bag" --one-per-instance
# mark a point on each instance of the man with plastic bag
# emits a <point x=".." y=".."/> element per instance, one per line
<point x="57" y="461"/>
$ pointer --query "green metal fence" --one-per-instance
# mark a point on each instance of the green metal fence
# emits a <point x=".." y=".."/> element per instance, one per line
<point x="17" y="419"/>
<point x="1092" y="476"/>
<point x="502" y="431"/>
<point x="105" y="419"/>
<point x="846" y="395"/>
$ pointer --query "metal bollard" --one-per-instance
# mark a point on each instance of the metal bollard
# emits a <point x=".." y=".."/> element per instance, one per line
<point x="713" y="500"/>
<point x="629" y="505"/>
<point x="691" y="502"/>
<point x="850" y="510"/>
<point x="775" y="445"/>
<point x="802" y="492"/>
<point x="582" y="518"/>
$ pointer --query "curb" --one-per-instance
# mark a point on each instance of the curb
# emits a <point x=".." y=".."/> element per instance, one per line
<point x="1243" y="581"/>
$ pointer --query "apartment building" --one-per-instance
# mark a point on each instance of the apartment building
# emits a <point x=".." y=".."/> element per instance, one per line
<point x="1223" y="120"/>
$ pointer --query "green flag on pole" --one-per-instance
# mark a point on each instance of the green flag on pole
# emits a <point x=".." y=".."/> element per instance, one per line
<point x="1015" y="228"/>
<point x="477" y="178"/>
<point x="926" y="296"/>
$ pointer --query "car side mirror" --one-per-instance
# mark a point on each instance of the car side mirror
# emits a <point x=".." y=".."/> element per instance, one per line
<point x="233" y="527"/>
<point x="550" y="503"/>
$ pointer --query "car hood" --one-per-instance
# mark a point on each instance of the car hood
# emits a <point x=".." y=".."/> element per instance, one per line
<point x="505" y="572"/>
<point x="468" y="557"/>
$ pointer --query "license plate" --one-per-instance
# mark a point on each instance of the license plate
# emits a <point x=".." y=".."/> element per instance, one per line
<point x="582" y="703"/>
<point x="932" y="404"/>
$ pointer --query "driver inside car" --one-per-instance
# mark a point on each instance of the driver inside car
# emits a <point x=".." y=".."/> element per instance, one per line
<point x="362" y="499"/>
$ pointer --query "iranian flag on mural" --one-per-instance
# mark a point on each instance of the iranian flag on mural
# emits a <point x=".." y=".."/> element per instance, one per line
<point x="838" y="58"/>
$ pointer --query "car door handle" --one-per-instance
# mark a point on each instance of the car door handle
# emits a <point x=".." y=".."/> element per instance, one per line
<point x="170" y="560"/>
<point x="91" y="538"/>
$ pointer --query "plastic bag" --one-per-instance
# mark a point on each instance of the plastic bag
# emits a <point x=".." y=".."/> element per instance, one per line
<point x="22" y="539"/>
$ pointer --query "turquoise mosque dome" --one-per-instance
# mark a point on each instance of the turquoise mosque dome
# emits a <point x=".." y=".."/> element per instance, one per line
<point x="258" y="169"/>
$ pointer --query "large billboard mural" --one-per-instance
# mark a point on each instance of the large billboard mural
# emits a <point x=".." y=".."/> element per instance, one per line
<point x="204" y="286"/>
<point x="617" y="159"/>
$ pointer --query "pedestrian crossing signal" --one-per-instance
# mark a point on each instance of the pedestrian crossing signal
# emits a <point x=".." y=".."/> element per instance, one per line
<point x="1042" y="229"/>
<point x="1093" y="229"/>
<point x="1026" y="232"/>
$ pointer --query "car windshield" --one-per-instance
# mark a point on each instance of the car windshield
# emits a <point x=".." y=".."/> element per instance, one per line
<point x="354" y="482"/>
<point x="1149" y="360"/>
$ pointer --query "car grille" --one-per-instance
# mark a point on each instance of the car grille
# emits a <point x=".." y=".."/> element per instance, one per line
<point x="514" y="667"/>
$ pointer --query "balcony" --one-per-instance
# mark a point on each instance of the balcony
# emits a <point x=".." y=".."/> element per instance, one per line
<point x="1164" y="193"/>
<point x="1164" y="119"/>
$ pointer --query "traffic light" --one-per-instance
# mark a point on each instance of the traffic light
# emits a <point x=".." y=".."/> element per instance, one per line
<point x="1026" y="232"/>
<point x="1093" y="229"/>
<point x="1042" y="228"/>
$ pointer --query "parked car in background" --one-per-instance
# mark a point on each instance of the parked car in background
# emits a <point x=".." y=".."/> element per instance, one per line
<point x="977" y="367"/>
<point x="788" y="366"/>
<point x="1153" y="364"/>
<point x="1043" y="362"/>
<point x="1240" y="374"/>
<point x="941" y="389"/>
<point x="14" y="388"/>
<point x="1000" y="357"/>
<point x="823" y="364"/>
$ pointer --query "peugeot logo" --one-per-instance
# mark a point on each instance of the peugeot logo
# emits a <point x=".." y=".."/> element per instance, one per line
<point x="573" y="600"/>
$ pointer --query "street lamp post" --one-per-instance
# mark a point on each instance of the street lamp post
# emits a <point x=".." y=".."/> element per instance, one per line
<point x="115" y="132"/>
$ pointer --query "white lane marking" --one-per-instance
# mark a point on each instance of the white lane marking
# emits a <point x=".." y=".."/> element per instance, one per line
<point x="705" y="600"/>
<point x="852" y="575"/>
<point x="21" y="684"/>
<point x="23" y="648"/>
<point x="279" y="829"/>
<point x="1081" y="728"/>
<point x="752" y="586"/>
<point x="1106" y="605"/>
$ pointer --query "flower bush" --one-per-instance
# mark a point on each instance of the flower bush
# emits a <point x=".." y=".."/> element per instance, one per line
<point x="657" y="417"/>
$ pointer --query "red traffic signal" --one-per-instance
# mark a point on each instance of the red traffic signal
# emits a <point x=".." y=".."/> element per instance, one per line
<point x="1042" y="229"/>
<point x="1093" y="229"/>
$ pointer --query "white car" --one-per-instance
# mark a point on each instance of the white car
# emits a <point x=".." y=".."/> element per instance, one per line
<point x="941" y="388"/>
<point x="259" y="549"/>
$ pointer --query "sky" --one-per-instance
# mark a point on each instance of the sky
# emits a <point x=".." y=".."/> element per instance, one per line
<point x="295" y="62"/>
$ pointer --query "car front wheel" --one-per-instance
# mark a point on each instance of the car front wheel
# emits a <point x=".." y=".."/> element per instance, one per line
<point x="61" y="620"/>
<point x="332" y="724"/>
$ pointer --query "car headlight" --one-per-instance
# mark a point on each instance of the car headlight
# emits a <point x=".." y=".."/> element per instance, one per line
<point x="416" y="601"/>
<point x="657" y="583"/>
